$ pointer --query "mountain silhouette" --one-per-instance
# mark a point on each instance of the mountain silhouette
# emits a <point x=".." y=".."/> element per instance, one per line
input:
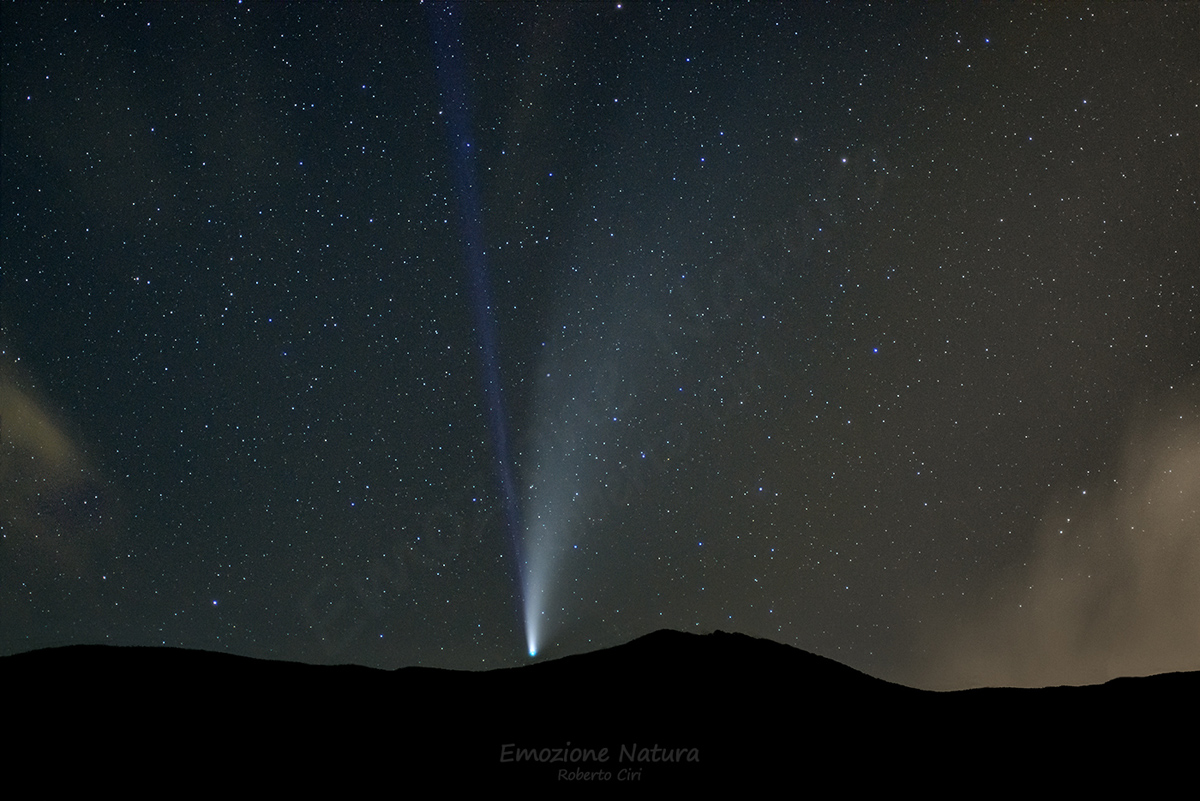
<point x="669" y="710"/>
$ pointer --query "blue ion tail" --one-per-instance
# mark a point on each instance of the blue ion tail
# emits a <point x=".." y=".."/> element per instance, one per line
<point x="445" y="21"/>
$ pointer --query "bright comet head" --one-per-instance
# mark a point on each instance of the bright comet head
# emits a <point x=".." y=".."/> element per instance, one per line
<point x="531" y="637"/>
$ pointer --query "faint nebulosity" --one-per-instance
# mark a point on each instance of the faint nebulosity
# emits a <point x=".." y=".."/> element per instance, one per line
<point x="869" y="329"/>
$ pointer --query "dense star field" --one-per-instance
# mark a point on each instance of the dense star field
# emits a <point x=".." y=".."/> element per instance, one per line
<point x="869" y="329"/>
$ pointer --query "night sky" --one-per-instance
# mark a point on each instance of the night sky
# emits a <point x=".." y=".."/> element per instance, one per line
<point x="370" y="333"/>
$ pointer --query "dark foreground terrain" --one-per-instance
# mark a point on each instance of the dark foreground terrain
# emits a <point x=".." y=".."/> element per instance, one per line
<point x="669" y="710"/>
